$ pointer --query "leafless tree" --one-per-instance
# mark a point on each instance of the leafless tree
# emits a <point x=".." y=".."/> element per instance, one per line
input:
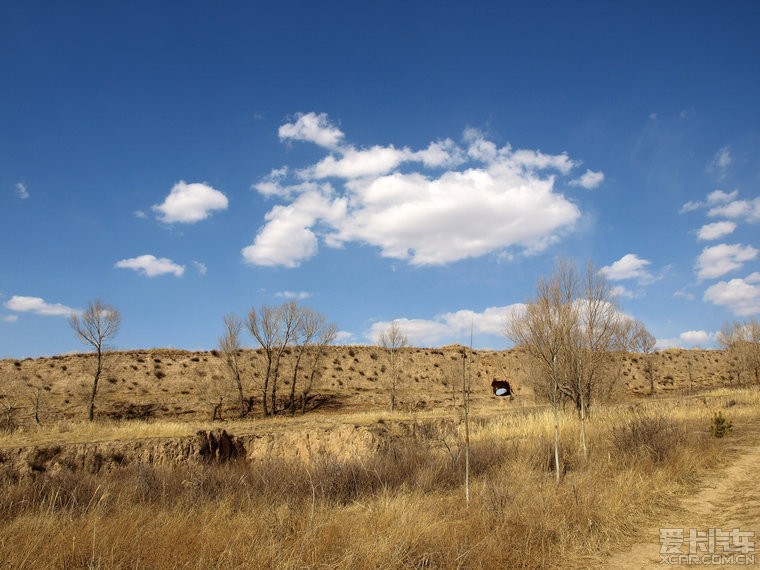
<point x="230" y="347"/>
<point x="392" y="340"/>
<point x="310" y="334"/>
<point x="571" y="330"/>
<point x="314" y="352"/>
<point x="542" y="330"/>
<point x="742" y="340"/>
<point x="214" y="389"/>
<point x="274" y="329"/>
<point x="95" y="326"/>
<point x="643" y="341"/>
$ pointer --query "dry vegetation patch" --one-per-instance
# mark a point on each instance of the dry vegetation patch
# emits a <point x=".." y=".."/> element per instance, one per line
<point x="401" y="506"/>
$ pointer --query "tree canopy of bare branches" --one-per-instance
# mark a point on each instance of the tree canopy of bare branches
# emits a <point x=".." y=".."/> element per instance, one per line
<point x="95" y="326"/>
<point x="392" y="340"/>
<point x="230" y="347"/>
<point x="570" y="330"/>
<point x="742" y="339"/>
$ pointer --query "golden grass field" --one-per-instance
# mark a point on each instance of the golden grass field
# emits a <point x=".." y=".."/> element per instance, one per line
<point x="351" y="485"/>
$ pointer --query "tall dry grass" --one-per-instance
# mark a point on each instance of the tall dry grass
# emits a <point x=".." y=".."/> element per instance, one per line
<point x="402" y="508"/>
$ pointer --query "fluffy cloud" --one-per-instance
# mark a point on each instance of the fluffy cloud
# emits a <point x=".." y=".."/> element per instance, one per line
<point x="715" y="230"/>
<point x="314" y="128"/>
<point x="748" y="210"/>
<point x="287" y="238"/>
<point x="740" y="296"/>
<point x="151" y="266"/>
<point x="687" y="339"/>
<point x="449" y="327"/>
<point x="504" y="198"/>
<point x="38" y="306"/>
<point x="10" y="318"/>
<point x="695" y="338"/>
<point x="630" y="266"/>
<point x="190" y="203"/>
<point x="589" y="180"/>
<point x="721" y="259"/>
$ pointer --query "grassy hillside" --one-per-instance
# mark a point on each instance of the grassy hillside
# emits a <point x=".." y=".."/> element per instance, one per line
<point x="181" y="385"/>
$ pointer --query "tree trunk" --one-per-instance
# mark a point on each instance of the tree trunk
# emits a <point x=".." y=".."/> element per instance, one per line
<point x="243" y="410"/>
<point x="556" y="441"/>
<point x="91" y="412"/>
<point x="296" y="368"/>
<point x="583" y="429"/>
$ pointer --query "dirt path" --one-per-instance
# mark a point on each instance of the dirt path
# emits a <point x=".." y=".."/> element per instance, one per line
<point x="728" y="499"/>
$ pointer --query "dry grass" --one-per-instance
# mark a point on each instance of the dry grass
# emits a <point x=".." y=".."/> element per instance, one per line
<point x="400" y="508"/>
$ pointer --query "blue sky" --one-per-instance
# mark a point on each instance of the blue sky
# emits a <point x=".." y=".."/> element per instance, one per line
<point x="418" y="161"/>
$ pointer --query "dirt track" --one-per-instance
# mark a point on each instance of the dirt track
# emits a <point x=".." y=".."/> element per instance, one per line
<point x="728" y="499"/>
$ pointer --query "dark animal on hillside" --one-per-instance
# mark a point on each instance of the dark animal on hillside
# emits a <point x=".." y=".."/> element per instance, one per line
<point x="501" y="388"/>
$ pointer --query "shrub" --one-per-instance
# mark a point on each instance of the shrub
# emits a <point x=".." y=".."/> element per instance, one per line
<point x="655" y="437"/>
<point x="721" y="427"/>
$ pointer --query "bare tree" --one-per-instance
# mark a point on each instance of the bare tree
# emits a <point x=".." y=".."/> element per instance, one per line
<point x="570" y="330"/>
<point x="642" y="341"/>
<point x="598" y="329"/>
<point x="310" y="331"/>
<point x="230" y="348"/>
<point x="392" y="340"/>
<point x="315" y="351"/>
<point x="214" y="389"/>
<point x="541" y="330"/>
<point x="742" y="340"/>
<point x="274" y="329"/>
<point x="95" y="326"/>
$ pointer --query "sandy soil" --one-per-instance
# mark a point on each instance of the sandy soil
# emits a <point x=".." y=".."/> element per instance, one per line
<point x="728" y="499"/>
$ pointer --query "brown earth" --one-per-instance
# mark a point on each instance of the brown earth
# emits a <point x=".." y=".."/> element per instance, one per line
<point x="174" y="384"/>
<point x="727" y="499"/>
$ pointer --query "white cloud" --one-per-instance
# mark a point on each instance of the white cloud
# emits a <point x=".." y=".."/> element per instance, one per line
<point x="200" y="267"/>
<point x="715" y="230"/>
<point x="450" y="327"/>
<point x="297" y="295"/>
<point x="684" y="295"/>
<point x="151" y="266"/>
<point x="620" y="291"/>
<point x="140" y="214"/>
<point x="630" y="266"/>
<point x="687" y="339"/>
<point x="690" y="206"/>
<point x="314" y="128"/>
<point x="722" y="159"/>
<point x="10" y="318"/>
<point x="696" y="337"/>
<point x="713" y="198"/>
<point x="721" y="259"/>
<point x="740" y="296"/>
<point x="37" y="306"/>
<point x="288" y="238"/>
<point x="721" y="197"/>
<point x="344" y="337"/>
<point x="748" y="210"/>
<point x="589" y="180"/>
<point x="190" y="203"/>
<point x="21" y="190"/>
<point x="504" y="199"/>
